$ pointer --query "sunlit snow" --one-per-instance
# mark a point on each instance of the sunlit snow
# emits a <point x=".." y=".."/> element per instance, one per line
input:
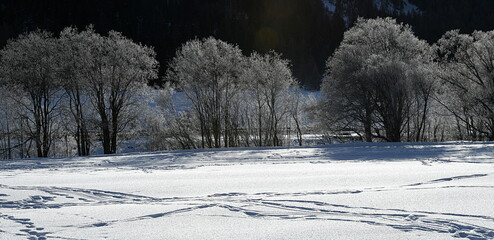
<point x="344" y="191"/>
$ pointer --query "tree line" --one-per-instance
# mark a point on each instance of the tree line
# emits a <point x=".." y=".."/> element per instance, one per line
<point x="235" y="100"/>
<point x="82" y="91"/>
<point x="76" y="85"/>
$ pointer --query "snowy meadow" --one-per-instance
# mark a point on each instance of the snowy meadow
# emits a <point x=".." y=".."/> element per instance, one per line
<point x="342" y="191"/>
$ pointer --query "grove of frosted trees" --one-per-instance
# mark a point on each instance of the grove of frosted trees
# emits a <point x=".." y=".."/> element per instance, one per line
<point x="384" y="83"/>
<point x="82" y="93"/>
<point x="81" y="86"/>
<point x="236" y="100"/>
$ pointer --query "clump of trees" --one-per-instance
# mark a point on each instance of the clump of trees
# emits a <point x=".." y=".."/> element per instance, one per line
<point x="82" y="90"/>
<point x="236" y="100"/>
<point x="466" y="62"/>
<point x="386" y="84"/>
<point x="29" y="71"/>
<point x="269" y="83"/>
<point x="81" y="83"/>
<point x="379" y="81"/>
<point x="209" y="72"/>
<point x="108" y="72"/>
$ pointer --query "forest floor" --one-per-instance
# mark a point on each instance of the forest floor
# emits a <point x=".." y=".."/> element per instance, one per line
<point x="343" y="191"/>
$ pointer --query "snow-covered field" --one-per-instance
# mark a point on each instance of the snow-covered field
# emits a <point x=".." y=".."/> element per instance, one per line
<point x="346" y="191"/>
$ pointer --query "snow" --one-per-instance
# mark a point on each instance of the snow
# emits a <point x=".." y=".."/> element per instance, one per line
<point x="341" y="191"/>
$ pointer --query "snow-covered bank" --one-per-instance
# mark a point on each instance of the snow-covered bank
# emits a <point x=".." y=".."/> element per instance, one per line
<point x="347" y="191"/>
<point x="424" y="152"/>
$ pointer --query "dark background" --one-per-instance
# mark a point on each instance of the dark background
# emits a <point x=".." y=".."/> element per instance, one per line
<point x="302" y="30"/>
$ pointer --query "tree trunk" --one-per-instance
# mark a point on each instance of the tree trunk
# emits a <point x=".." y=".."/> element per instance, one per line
<point x="9" y="147"/>
<point x="105" y="130"/>
<point x="106" y="137"/>
<point x="114" y="131"/>
<point x="368" y="125"/>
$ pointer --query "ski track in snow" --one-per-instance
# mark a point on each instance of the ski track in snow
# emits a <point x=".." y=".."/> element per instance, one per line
<point x="449" y="179"/>
<point x="266" y="205"/>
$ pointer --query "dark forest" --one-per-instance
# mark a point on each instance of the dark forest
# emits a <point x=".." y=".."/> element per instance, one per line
<point x="302" y="30"/>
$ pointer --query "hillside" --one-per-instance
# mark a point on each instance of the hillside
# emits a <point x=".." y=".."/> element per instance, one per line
<point x="305" y="31"/>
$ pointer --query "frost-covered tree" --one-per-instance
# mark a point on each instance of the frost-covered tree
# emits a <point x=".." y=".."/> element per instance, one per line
<point x="75" y="56"/>
<point x="116" y="69"/>
<point x="16" y="140"/>
<point x="208" y="72"/>
<point x="29" y="66"/>
<point x="423" y="107"/>
<point x="237" y="100"/>
<point x="169" y="125"/>
<point x="301" y="107"/>
<point x="8" y="125"/>
<point x="371" y="76"/>
<point x="467" y="72"/>
<point x="268" y="80"/>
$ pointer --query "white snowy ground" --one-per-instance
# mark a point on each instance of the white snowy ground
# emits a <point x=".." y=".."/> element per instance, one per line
<point x="347" y="191"/>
